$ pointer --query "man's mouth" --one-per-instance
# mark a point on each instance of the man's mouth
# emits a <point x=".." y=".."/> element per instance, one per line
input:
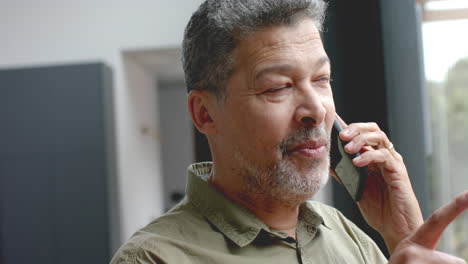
<point x="314" y="149"/>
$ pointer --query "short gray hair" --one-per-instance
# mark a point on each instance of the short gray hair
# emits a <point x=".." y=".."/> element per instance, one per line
<point x="216" y="28"/>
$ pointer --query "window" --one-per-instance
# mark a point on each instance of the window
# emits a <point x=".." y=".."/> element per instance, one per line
<point x="445" y="45"/>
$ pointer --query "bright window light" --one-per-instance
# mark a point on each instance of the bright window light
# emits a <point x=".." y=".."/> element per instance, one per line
<point x="446" y="4"/>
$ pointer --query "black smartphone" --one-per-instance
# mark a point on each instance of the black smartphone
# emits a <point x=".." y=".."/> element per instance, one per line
<point x="351" y="176"/>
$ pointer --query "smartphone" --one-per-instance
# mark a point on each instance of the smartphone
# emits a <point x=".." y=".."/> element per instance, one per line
<point x="352" y="177"/>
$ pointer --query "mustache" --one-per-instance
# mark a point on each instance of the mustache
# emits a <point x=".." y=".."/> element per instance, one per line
<point x="304" y="134"/>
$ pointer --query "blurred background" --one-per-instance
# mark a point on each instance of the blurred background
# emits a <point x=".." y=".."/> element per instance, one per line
<point x="95" y="137"/>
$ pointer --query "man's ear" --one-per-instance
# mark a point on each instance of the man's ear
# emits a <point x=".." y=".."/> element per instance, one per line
<point x="200" y="107"/>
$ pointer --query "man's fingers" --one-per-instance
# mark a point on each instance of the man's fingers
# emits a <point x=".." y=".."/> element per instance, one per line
<point x="415" y="254"/>
<point x="429" y="233"/>
<point x="375" y="139"/>
<point x="379" y="156"/>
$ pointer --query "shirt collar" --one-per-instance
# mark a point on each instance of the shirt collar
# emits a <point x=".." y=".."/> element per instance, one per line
<point x="233" y="220"/>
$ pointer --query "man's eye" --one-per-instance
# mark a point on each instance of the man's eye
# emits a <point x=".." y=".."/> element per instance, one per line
<point x="278" y="89"/>
<point x="326" y="79"/>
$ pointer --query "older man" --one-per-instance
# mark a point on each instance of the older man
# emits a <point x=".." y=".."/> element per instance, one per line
<point x="259" y="89"/>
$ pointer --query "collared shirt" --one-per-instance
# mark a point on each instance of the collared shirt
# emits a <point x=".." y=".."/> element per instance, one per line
<point x="206" y="227"/>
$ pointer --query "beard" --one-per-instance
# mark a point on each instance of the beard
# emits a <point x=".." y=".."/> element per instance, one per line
<point x="285" y="180"/>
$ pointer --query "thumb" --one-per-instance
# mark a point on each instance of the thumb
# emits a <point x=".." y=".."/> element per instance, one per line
<point x="430" y="232"/>
<point x="340" y="121"/>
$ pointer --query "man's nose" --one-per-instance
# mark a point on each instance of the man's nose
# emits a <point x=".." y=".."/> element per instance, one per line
<point x="310" y="110"/>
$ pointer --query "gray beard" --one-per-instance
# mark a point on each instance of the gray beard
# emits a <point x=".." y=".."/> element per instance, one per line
<point x="283" y="181"/>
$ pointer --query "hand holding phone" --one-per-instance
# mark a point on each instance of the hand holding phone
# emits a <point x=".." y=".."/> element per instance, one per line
<point x="352" y="177"/>
<point x="388" y="202"/>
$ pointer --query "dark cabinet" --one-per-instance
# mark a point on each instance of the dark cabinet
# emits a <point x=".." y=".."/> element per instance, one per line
<point x="56" y="164"/>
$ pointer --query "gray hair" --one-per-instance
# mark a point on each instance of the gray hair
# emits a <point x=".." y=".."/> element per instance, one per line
<point x="217" y="26"/>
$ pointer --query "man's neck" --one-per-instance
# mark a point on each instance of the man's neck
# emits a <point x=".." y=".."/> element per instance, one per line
<point x="276" y="214"/>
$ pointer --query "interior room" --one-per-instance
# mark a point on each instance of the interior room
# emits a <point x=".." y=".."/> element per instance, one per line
<point x="96" y="138"/>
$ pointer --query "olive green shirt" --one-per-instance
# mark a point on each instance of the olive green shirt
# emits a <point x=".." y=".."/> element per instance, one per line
<point x="206" y="227"/>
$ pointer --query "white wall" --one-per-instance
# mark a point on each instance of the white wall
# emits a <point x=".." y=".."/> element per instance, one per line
<point x="69" y="31"/>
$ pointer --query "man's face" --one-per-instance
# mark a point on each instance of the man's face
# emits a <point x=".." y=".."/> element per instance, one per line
<point x="274" y="126"/>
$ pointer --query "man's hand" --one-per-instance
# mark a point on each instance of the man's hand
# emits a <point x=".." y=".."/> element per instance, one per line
<point x="419" y="246"/>
<point x="388" y="203"/>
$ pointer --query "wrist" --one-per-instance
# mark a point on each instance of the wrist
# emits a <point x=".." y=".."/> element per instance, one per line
<point x="391" y="242"/>
<point x="394" y="237"/>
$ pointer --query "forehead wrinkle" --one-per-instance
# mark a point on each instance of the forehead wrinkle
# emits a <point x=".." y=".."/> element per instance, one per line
<point x="284" y="60"/>
<point x="288" y="59"/>
<point x="261" y="49"/>
<point x="273" y="45"/>
<point x="267" y="45"/>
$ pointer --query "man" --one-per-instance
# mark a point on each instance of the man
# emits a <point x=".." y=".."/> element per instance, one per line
<point x="259" y="89"/>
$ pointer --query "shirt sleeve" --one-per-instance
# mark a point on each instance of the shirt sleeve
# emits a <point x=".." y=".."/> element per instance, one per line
<point x="138" y="252"/>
